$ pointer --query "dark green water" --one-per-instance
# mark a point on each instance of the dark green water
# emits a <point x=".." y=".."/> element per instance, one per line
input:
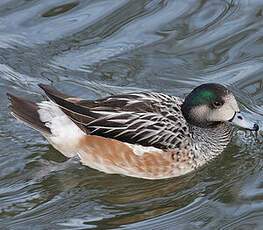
<point x="94" y="48"/>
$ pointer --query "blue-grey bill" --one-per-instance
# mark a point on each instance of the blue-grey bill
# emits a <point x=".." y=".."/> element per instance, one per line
<point x="240" y="120"/>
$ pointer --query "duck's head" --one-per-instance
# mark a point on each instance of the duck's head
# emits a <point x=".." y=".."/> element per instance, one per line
<point x="211" y="104"/>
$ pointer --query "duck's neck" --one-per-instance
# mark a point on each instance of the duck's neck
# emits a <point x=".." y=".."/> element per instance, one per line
<point x="210" y="142"/>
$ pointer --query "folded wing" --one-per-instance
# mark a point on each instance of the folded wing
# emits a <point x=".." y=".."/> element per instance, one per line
<point x="148" y="119"/>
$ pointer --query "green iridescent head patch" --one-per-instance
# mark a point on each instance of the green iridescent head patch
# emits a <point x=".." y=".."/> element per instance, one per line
<point x="203" y="97"/>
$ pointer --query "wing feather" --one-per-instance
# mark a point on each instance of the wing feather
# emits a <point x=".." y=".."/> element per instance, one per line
<point x="148" y="119"/>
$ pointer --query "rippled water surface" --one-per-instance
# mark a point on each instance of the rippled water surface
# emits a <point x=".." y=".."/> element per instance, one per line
<point x="94" y="48"/>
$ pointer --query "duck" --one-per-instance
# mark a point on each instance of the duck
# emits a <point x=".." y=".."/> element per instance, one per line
<point x="146" y="135"/>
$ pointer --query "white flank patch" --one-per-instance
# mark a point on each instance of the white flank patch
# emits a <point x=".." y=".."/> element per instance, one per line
<point x="65" y="133"/>
<point x="139" y="150"/>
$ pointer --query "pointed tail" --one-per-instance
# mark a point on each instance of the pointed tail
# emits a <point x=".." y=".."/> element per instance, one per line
<point x="27" y="112"/>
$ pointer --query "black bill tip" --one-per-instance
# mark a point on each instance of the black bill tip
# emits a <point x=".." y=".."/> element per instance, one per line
<point x="256" y="127"/>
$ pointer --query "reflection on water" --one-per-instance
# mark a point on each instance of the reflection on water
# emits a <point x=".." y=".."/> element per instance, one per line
<point x="60" y="9"/>
<point x="97" y="48"/>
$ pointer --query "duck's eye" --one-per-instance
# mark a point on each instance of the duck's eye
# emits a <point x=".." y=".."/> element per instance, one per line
<point x="217" y="104"/>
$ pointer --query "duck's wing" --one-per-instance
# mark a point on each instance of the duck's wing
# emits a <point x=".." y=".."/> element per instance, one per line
<point x="148" y="119"/>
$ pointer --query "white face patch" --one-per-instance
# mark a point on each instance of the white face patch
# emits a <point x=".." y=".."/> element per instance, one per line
<point x="231" y="101"/>
<point x="200" y="113"/>
<point x="204" y="113"/>
<point x="225" y="112"/>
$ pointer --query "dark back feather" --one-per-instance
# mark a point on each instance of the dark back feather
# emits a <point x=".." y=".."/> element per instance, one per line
<point x="26" y="111"/>
<point x="149" y="119"/>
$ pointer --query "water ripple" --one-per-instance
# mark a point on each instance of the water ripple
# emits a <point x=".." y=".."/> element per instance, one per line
<point x="97" y="48"/>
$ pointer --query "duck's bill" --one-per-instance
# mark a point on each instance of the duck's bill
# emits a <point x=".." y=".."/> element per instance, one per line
<point x="239" y="120"/>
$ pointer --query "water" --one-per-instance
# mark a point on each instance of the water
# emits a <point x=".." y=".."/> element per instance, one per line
<point x="95" y="48"/>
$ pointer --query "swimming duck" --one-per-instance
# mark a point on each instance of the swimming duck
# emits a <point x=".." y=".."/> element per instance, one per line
<point x="143" y="134"/>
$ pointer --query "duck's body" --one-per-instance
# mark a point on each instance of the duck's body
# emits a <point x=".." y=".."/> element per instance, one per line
<point x="142" y="135"/>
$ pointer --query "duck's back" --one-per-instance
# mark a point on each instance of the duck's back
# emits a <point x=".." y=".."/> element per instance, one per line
<point x="146" y="118"/>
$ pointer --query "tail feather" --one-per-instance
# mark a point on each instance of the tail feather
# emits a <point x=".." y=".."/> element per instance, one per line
<point x="47" y="118"/>
<point x="52" y="92"/>
<point x="72" y="106"/>
<point x="27" y="111"/>
<point x="63" y="100"/>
